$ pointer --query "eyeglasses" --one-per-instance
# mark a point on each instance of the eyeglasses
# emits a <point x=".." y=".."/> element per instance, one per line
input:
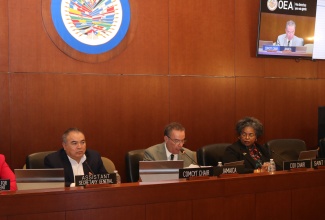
<point x="176" y="141"/>
<point x="250" y="135"/>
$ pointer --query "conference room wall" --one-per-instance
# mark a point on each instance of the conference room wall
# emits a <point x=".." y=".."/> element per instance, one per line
<point x="188" y="61"/>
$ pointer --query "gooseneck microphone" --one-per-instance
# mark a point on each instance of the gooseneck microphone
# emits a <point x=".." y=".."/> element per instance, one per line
<point x="91" y="171"/>
<point x="279" y="156"/>
<point x="183" y="152"/>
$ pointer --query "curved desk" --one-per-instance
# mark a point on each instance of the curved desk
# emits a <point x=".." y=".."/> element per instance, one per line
<point x="282" y="195"/>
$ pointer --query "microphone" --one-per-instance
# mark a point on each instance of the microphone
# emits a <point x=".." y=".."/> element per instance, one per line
<point x="183" y="152"/>
<point x="91" y="171"/>
<point x="278" y="155"/>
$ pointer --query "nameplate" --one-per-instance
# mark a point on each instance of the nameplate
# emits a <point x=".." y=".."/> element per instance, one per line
<point x="274" y="48"/>
<point x="82" y="180"/>
<point x="194" y="172"/>
<point x="318" y="162"/>
<point x="5" y="184"/>
<point x="288" y="165"/>
<point x="228" y="170"/>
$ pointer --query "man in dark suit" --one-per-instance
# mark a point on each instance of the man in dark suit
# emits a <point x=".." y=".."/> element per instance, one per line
<point x="171" y="149"/>
<point x="75" y="158"/>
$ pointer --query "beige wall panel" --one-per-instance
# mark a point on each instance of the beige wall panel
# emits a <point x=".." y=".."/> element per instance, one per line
<point x="246" y="63"/>
<point x="34" y="51"/>
<point x="4" y="43"/>
<point x="206" y="108"/>
<point x="202" y="37"/>
<point x="291" y="107"/>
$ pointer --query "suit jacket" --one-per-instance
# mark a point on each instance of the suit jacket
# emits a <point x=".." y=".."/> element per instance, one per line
<point x="296" y="41"/>
<point x="158" y="152"/>
<point x="237" y="151"/>
<point x="60" y="159"/>
<point x="6" y="173"/>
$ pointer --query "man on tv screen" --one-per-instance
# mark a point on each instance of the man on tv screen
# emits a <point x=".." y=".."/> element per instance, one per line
<point x="289" y="38"/>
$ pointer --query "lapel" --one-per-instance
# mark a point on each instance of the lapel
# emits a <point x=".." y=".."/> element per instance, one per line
<point x="161" y="152"/>
<point x="244" y="151"/>
<point x="67" y="166"/>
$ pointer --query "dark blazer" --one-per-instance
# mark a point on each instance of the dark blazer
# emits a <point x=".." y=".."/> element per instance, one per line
<point x="237" y="151"/>
<point x="60" y="159"/>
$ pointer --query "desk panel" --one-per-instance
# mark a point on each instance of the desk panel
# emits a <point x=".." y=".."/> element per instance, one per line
<point x="289" y="195"/>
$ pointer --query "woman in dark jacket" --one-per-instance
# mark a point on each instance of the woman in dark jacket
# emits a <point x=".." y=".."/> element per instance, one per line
<point x="249" y="129"/>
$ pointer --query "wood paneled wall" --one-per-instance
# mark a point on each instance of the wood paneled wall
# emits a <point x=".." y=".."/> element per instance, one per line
<point x="188" y="61"/>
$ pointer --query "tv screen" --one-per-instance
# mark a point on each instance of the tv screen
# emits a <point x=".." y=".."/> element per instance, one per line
<point x="291" y="29"/>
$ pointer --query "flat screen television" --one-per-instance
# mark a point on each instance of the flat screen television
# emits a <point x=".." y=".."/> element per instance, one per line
<point x="291" y="29"/>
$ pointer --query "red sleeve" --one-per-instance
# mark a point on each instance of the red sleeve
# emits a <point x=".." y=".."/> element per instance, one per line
<point x="6" y="173"/>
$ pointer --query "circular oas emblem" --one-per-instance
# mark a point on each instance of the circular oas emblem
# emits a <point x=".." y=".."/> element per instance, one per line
<point x="91" y="26"/>
<point x="272" y="4"/>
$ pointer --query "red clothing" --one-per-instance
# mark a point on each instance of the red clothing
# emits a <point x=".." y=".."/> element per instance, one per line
<point x="6" y="173"/>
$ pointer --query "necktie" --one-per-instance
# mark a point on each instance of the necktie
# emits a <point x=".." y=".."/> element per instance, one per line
<point x="172" y="157"/>
<point x="288" y="43"/>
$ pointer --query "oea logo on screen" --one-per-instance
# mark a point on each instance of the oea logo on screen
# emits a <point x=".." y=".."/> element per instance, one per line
<point x="274" y="4"/>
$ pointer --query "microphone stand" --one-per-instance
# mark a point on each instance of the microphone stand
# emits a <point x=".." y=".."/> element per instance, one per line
<point x="91" y="172"/>
<point x="183" y="152"/>
<point x="279" y="157"/>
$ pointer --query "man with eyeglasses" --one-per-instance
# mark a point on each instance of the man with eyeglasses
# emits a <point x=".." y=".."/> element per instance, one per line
<point x="172" y="147"/>
<point x="289" y="38"/>
<point x="249" y="129"/>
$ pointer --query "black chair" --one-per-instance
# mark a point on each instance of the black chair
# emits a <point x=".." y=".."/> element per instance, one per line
<point x="132" y="159"/>
<point x="321" y="151"/>
<point x="285" y="150"/>
<point x="36" y="160"/>
<point x="210" y="155"/>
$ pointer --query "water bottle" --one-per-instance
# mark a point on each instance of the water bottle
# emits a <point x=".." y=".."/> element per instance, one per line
<point x="271" y="166"/>
<point x="219" y="164"/>
<point x="118" y="177"/>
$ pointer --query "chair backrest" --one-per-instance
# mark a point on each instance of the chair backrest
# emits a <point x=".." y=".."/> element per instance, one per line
<point x="132" y="159"/>
<point x="211" y="154"/>
<point x="36" y="160"/>
<point x="321" y="151"/>
<point x="108" y="164"/>
<point x="285" y="150"/>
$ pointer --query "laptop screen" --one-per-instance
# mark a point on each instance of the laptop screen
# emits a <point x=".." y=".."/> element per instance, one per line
<point x="308" y="155"/>
<point x="39" y="178"/>
<point x="160" y="170"/>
